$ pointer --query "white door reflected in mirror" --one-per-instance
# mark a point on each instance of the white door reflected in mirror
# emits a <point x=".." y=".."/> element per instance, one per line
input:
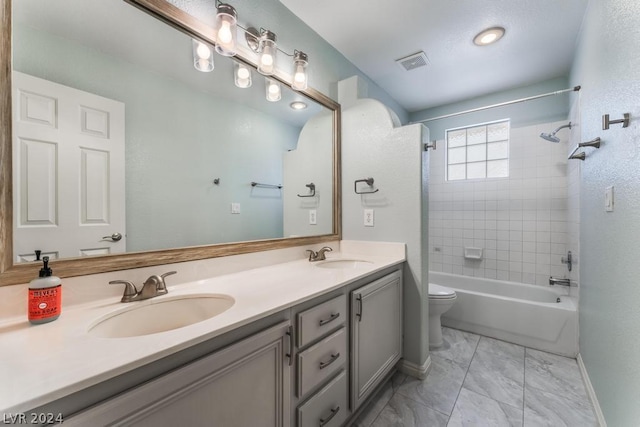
<point x="68" y="171"/>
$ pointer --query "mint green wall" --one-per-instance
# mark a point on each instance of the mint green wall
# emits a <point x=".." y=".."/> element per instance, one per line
<point x="177" y="141"/>
<point x="607" y="66"/>
<point x="543" y="110"/>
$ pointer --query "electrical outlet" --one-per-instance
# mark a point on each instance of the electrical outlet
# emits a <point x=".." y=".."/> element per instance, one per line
<point x="235" y="208"/>
<point x="313" y="217"/>
<point x="368" y="217"/>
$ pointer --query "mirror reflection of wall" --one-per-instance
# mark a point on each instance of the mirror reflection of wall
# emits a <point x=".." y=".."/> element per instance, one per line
<point x="183" y="128"/>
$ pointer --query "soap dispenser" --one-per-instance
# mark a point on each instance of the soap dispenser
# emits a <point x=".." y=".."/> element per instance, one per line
<point x="45" y="296"/>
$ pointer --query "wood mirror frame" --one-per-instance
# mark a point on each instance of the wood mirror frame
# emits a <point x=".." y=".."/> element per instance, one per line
<point x="11" y="273"/>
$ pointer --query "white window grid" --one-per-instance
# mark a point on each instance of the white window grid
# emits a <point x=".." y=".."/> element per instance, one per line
<point x="479" y="151"/>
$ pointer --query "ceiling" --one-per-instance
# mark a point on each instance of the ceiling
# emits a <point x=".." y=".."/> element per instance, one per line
<point x="539" y="43"/>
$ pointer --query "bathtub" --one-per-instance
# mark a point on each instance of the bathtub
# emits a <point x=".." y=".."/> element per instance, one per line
<point x="528" y="315"/>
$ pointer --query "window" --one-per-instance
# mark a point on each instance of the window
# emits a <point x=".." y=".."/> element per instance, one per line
<point x="479" y="151"/>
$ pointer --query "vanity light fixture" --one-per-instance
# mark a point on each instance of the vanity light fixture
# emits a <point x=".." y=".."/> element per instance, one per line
<point x="273" y="90"/>
<point x="300" y="76"/>
<point x="226" y="29"/>
<point x="262" y="42"/>
<point x="241" y="75"/>
<point x="298" y="105"/>
<point x="202" y="56"/>
<point x="489" y="36"/>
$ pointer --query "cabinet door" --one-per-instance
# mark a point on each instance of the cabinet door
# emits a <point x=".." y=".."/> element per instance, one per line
<point x="376" y="339"/>
<point x="246" y="384"/>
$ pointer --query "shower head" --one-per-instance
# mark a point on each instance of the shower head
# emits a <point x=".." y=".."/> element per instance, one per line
<point x="552" y="136"/>
<point x="549" y="137"/>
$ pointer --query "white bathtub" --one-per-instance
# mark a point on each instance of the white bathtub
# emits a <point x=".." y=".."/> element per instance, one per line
<point x="528" y="315"/>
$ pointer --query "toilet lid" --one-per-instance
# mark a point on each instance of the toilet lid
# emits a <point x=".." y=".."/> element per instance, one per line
<point x="437" y="291"/>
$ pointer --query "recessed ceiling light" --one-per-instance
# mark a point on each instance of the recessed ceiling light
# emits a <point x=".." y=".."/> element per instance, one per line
<point x="488" y="36"/>
<point x="298" y="105"/>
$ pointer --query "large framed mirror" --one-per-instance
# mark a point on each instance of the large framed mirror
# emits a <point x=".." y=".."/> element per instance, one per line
<point x="116" y="153"/>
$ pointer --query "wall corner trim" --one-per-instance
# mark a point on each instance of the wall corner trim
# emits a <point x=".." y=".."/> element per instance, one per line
<point x="591" y="392"/>
<point x="416" y="371"/>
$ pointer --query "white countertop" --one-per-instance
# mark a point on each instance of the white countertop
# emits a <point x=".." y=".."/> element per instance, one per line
<point x="43" y="363"/>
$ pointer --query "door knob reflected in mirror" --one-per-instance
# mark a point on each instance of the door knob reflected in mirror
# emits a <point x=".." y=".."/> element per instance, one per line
<point x="115" y="237"/>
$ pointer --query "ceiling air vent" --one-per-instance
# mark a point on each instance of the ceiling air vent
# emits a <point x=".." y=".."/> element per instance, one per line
<point x="414" y="61"/>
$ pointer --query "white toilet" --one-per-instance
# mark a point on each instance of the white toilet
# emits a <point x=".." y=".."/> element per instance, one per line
<point x="441" y="299"/>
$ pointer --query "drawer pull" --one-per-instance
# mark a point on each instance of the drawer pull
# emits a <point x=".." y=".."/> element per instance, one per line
<point x="331" y="318"/>
<point x="334" y="411"/>
<point x="334" y="357"/>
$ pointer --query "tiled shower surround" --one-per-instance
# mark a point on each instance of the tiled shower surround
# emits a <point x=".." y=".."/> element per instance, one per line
<point x="520" y="222"/>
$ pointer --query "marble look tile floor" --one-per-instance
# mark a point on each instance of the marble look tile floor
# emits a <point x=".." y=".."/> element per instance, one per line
<point x="481" y="381"/>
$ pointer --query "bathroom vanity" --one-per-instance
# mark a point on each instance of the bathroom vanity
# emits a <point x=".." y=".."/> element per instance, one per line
<point x="304" y="344"/>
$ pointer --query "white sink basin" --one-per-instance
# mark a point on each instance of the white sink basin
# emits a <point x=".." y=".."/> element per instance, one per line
<point x="160" y="315"/>
<point x="343" y="263"/>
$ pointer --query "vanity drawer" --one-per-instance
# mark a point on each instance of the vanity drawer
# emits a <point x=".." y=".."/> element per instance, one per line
<point x="328" y="407"/>
<point x="319" y="320"/>
<point x="320" y="361"/>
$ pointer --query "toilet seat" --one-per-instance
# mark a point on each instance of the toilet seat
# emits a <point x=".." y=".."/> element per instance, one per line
<point x="440" y="292"/>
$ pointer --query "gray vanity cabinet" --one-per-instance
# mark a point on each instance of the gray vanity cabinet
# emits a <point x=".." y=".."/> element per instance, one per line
<point x="307" y="366"/>
<point x="376" y="334"/>
<point x="245" y="384"/>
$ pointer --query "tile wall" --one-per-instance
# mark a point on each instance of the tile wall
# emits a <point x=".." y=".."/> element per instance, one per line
<point x="520" y="222"/>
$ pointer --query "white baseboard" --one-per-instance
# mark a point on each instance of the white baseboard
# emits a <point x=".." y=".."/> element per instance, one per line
<point x="591" y="392"/>
<point x="413" y="370"/>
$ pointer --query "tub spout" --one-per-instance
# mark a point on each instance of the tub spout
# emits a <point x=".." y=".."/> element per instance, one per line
<point x="563" y="282"/>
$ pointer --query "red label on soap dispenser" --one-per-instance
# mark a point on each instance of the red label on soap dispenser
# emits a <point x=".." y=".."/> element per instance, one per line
<point x="45" y="303"/>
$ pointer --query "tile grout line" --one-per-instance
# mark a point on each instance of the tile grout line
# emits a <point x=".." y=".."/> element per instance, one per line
<point x="524" y="383"/>
<point x="465" y="377"/>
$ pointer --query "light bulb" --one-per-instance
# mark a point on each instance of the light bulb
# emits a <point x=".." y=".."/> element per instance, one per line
<point x="300" y="75"/>
<point x="269" y="50"/>
<point x="224" y="33"/>
<point x="273" y="90"/>
<point x="203" y="51"/>
<point x="226" y="29"/>
<point x="267" y="60"/>
<point x="202" y="56"/>
<point x="243" y="73"/>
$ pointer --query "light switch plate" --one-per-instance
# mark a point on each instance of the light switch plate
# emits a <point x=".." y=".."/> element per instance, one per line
<point x="608" y="199"/>
<point x="313" y="217"/>
<point x="235" y="208"/>
<point x="368" y="217"/>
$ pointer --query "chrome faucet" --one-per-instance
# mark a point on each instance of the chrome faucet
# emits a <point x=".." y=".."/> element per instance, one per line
<point x="152" y="287"/>
<point x="320" y="255"/>
<point x="563" y="282"/>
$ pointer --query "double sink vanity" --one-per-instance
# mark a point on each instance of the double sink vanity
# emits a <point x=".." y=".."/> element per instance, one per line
<point x="295" y="343"/>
